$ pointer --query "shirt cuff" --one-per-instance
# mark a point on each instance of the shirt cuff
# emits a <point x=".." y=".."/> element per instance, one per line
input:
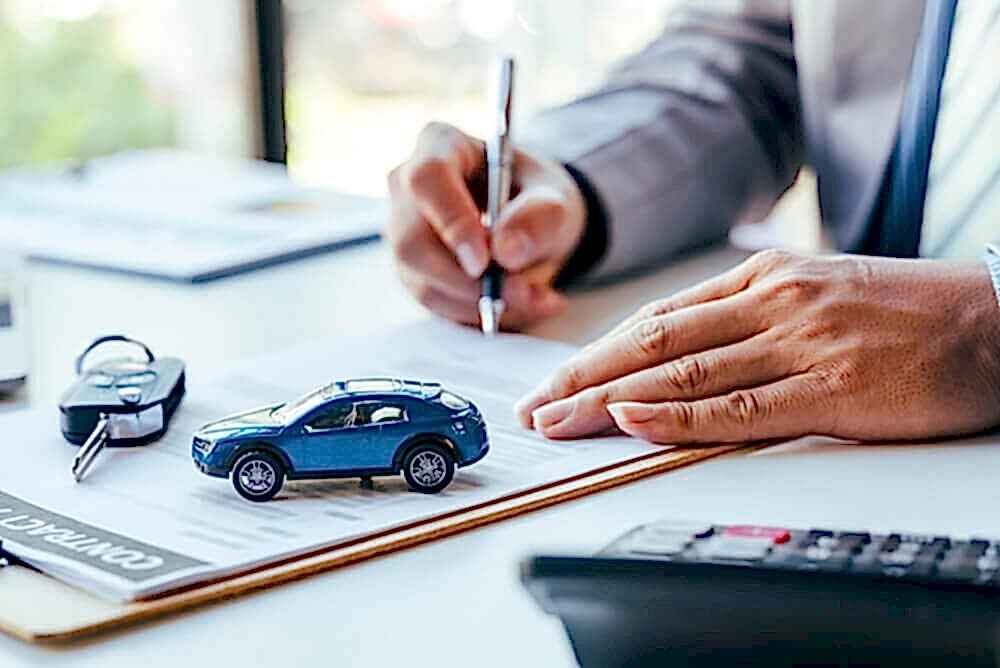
<point x="993" y="264"/>
<point x="594" y="243"/>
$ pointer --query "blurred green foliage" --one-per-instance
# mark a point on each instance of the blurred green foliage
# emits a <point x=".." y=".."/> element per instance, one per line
<point x="68" y="94"/>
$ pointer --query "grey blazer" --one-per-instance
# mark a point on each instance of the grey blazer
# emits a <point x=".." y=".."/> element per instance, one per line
<point x="710" y="123"/>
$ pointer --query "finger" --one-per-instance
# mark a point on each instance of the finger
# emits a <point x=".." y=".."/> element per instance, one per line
<point x="420" y="252"/>
<point x="726" y="284"/>
<point x="648" y="343"/>
<point x="531" y="228"/>
<point x="436" y="178"/>
<point x="526" y="302"/>
<point x="747" y="363"/>
<point x="444" y="305"/>
<point x="788" y="408"/>
<point x="461" y="311"/>
<point x="419" y="284"/>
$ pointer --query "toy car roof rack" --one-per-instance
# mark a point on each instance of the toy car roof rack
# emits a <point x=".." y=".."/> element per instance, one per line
<point x="386" y="384"/>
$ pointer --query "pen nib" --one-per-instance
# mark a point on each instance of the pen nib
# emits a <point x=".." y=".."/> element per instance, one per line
<point x="490" y="311"/>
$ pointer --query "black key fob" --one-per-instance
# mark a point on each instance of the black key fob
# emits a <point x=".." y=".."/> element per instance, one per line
<point x="132" y="399"/>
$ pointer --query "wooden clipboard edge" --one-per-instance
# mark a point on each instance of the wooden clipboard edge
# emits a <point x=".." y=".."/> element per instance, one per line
<point x="387" y="543"/>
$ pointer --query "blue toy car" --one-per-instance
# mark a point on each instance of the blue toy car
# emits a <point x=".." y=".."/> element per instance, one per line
<point x="356" y="428"/>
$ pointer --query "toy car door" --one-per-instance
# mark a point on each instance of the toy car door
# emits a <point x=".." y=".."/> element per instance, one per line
<point x="391" y="419"/>
<point x="335" y="438"/>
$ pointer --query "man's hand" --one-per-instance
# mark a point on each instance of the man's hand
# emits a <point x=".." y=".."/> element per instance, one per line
<point x="440" y="243"/>
<point x="783" y="346"/>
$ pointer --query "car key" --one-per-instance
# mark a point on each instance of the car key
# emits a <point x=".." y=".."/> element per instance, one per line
<point x="119" y="402"/>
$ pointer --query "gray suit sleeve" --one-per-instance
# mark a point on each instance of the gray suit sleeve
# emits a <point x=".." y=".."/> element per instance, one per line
<point x="699" y="130"/>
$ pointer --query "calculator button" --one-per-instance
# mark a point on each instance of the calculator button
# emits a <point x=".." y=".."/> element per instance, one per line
<point x="938" y="546"/>
<point x="979" y="544"/>
<point x="743" y="549"/>
<point x="894" y="571"/>
<point x="658" y="542"/>
<point x="891" y="543"/>
<point x="695" y="529"/>
<point x="970" y="551"/>
<point x="773" y="534"/>
<point x="849" y="545"/>
<point x="816" y="534"/>
<point x="961" y="562"/>
<point x="960" y="571"/>
<point x="813" y="559"/>
<point x="868" y="562"/>
<point x="827" y="543"/>
<point x="860" y="538"/>
<point x="923" y="567"/>
<point x="897" y="558"/>
<point x="666" y="548"/>
<point x="988" y="562"/>
<point x="834" y="564"/>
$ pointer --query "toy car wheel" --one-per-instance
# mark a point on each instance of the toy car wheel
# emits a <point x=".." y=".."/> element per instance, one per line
<point x="257" y="476"/>
<point x="428" y="468"/>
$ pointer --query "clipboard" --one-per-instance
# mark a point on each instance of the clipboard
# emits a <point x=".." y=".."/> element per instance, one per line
<point x="40" y="609"/>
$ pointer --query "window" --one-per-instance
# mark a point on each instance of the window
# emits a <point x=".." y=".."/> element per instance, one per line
<point x="388" y="413"/>
<point x="296" y="408"/>
<point x="338" y="416"/>
<point x="357" y="414"/>
<point x="90" y="77"/>
<point x="363" y="76"/>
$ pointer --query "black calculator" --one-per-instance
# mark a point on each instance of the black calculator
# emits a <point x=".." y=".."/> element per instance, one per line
<point x="681" y="594"/>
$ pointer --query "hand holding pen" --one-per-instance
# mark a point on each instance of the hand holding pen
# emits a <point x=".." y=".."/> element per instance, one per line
<point x="442" y="248"/>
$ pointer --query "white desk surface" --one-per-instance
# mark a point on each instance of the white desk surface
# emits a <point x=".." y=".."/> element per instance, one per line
<point x="457" y="602"/>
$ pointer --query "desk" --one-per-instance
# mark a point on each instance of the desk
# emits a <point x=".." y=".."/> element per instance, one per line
<point x="456" y="602"/>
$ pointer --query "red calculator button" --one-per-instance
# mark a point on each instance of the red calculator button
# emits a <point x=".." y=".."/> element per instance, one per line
<point x="775" y="534"/>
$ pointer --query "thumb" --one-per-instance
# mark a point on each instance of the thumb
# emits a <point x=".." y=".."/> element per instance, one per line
<point x="533" y="228"/>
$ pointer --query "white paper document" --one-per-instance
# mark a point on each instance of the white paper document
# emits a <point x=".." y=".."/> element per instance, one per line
<point x="145" y="521"/>
<point x="177" y="216"/>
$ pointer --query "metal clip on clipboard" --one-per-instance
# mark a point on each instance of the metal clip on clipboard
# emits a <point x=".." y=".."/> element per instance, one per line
<point x="8" y="559"/>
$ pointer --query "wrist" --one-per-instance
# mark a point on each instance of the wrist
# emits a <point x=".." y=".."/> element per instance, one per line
<point x="987" y="325"/>
<point x="593" y="241"/>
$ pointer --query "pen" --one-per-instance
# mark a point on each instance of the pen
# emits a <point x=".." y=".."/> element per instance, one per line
<point x="499" y="165"/>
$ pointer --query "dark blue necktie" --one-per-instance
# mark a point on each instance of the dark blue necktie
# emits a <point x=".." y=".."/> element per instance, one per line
<point x="902" y="208"/>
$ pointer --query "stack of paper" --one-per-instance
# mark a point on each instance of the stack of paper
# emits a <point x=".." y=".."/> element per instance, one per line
<point x="205" y="217"/>
<point x="145" y="521"/>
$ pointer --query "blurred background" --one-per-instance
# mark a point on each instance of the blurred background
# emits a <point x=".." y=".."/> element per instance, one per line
<point x="82" y="78"/>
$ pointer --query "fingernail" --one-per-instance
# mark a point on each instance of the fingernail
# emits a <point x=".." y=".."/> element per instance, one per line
<point x="534" y="398"/>
<point x="631" y="411"/>
<point x="552" y="414"/>
<point x="515" y="249"/>
<point x="471" y="263"/>
<point x="521" y="405"/>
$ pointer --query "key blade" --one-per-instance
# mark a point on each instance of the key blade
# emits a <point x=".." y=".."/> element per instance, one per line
<point x="91" y="448"/>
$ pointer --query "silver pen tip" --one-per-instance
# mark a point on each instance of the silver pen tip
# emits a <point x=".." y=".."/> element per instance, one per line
<point x="490" y="312"/>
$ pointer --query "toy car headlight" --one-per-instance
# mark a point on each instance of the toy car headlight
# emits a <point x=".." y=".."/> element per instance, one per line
<point x="204" y="446"/>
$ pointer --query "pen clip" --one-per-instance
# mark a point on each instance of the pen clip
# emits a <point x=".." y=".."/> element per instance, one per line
<point x="505" y="94"/>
